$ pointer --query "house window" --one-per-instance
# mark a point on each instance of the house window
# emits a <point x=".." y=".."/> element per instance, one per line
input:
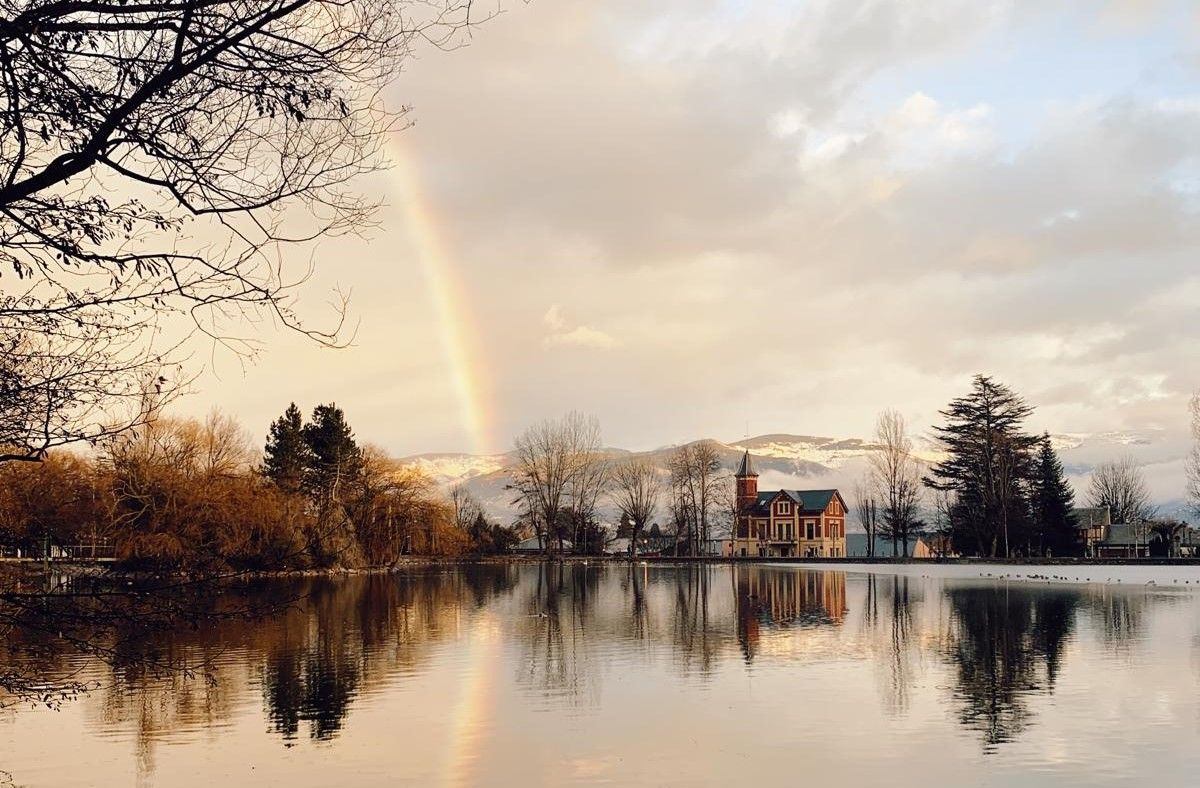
<point x="783" y="507"/>
<point x="809" y="529"/>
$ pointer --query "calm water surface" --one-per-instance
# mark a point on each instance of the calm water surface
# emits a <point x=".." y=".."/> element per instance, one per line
<point x="651" y="675"/>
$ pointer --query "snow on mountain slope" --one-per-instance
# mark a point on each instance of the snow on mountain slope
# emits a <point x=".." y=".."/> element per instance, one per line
<point x="450" y="469"/>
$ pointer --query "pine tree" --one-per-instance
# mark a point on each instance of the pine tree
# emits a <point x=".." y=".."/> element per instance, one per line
<point x="1053" y="503"/>
<point x="336" y="459"/>
<point x="989" y="456"/>
<point x="286" y="457"/>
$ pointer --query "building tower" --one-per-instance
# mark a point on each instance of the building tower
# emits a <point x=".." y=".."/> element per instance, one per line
<point x="745" y="484"/>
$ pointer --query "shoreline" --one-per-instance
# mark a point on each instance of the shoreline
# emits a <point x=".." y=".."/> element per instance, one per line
<point x="14" y="568"/>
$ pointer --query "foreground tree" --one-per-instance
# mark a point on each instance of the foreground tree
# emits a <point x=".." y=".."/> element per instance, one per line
<point x="1053" y="505"/>
<point x="68" y="384"/>
<point x="988" y="455"/>
<point x="157" y="160"/>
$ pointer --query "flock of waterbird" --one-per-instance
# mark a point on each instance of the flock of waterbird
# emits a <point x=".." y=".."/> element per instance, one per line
<point x="1063" y="578"/>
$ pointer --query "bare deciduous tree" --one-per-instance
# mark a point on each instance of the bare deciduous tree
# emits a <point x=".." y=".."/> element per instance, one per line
<point x="695" y="481"/>
<point x="896" y="477"/>
<point x="466" y="507"/>
<point x="555" y="470"/>
<point x="61" y="385"/>
<point x="866" y="506"/>
<point x="637" y="487"/>
<point x="591" y="480"/>
<point x="1193" y="459"/>
<point x="157" y="160"/>
<point x="1121" y="486"/>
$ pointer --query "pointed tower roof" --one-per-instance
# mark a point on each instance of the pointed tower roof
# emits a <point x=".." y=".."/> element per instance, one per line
<point x="746" y="468"/>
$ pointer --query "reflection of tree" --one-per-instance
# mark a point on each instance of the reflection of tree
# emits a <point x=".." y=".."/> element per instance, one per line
<point x="553" y="660"/>
<point x="888" y="618"/>
<point x="694" y="637"/>
<point x="776" y="598"/>
<point x="334" y="640"/>
<point x="633" y="583"/>
<point x="1006" y="643"/>
<point x="1119" y="614"/>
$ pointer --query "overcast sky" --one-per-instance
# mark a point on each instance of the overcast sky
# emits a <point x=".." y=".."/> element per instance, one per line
<point x="707" y="219"/>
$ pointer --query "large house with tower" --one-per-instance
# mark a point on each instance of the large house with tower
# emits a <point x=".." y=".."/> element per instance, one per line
<point x="786" y="523"/>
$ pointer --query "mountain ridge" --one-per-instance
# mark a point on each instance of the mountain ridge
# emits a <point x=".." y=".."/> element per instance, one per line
<point x="798" y="461"/>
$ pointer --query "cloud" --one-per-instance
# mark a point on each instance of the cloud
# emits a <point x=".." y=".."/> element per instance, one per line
<point x="797" y="214"/>
<point x="579" y="336"/>
<point x="554" y="318"/>
<point x="582" y="336"/>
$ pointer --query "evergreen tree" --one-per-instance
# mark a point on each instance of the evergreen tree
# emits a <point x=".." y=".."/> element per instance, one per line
<point x="1053" y="502"/>
<point x="988" y="461"/>
<point x="286" y="457"/>
<point x="335" y="457"/>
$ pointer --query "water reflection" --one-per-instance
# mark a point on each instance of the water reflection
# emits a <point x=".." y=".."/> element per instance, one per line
<point x="769" y="598"/>
<point x="1006" y="644"/>
<point x="984" y="654"/>
<point x="889" y="621"/>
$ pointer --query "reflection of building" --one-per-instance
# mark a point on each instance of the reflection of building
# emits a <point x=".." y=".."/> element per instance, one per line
<point x="787" y="522"/>
<point x="769" y="597"/>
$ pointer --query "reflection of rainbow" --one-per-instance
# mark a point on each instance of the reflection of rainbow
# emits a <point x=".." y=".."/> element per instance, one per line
<point x="472" y="708"/>
<point x="449" y="301"/>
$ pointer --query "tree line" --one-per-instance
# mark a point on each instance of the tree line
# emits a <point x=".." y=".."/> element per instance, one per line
<point x="997" y="490"/>
<point x="562" y="474"/>
<point x="196" y="495"/>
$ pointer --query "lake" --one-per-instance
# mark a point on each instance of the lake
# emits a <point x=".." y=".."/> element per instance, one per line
<point x="531" y="674"/>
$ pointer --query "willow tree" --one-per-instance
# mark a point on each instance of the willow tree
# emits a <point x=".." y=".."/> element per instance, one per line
<point x="157" y="162"/>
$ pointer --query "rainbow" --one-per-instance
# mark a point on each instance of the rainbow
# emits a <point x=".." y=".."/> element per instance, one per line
<point x="473" y="713"/>
<point x="448" y="298"/>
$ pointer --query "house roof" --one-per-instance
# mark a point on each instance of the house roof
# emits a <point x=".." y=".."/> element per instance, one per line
<point x="807" y="500"/>
<point x="1125" y="534"/>
<point x="746" y="468"/>
<point x="1090" y="517"/>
